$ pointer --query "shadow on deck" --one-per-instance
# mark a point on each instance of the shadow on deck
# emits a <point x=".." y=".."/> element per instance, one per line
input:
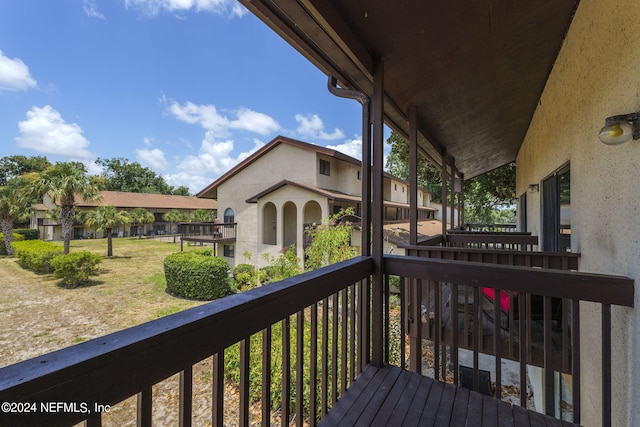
<point x="390" y="396"/>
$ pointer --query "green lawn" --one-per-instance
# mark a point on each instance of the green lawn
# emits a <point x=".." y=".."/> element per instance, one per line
<point x="39" y="316"/>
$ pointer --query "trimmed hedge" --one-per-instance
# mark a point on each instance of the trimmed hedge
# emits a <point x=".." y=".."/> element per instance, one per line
<point x="75" y="268"/>
<point x="28" y="233"/>
<point x="36" y="255"/>
<point x="16" y="238"/>
<point x="196" y="275"/>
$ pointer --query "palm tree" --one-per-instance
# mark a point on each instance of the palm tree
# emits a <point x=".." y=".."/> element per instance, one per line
<point x="140" y="216"/>
<point x="63" y="182"/>
<point x="105" y="218"/>
<point x="173" y="216"/>
<point x="202" y="215"/>
<point x="14" y="205"/>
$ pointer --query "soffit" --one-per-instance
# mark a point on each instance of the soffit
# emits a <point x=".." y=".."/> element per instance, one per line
<point x="474" y="69"/>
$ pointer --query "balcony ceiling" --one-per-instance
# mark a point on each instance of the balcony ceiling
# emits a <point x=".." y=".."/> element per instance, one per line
<point x="474" y="69"/>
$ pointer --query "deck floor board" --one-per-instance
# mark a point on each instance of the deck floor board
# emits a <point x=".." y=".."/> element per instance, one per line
<point x="392" y="396"/>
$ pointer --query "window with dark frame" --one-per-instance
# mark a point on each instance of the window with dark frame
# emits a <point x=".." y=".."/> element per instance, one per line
<point x="229" y="251"/>
<point x="325" y="167"/>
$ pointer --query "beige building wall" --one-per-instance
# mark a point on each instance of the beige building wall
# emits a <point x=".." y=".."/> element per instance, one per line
<point x="597" y="75"/>
<point x="313" y="205"/>
<point x="266" y="171"/>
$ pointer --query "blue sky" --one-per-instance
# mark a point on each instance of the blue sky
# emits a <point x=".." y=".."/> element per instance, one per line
<point x="185" y="87"/>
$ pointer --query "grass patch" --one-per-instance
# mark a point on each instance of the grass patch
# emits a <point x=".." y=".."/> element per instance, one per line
<point x="129" y="290"/>
<point x="167" y="311"/>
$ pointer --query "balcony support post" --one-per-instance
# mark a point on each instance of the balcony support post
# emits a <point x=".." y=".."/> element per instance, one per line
<point x="377" y="213"/>
<point x="444" y="194"/>
<point x="413" y="176"/>
<point x="452" y="186"/>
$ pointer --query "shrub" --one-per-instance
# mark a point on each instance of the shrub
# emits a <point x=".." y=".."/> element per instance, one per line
<point x="195" y="275"/>
<point x="16" y="238"/>
<point x="246" y="276"/>
<point x="75" y="268"/>
<point x="36" y="255"/>
<point x="28" y="233"/>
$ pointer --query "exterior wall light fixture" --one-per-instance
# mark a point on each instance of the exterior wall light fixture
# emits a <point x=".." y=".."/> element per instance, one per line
<point x="620" y="129"/>
<point x="533" y="188"/>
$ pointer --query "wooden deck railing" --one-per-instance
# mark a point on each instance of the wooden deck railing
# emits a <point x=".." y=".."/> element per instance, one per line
<point x="458" y="322"/>
<point x="482" y="227"/>
<point x="207" y="232"/>
<point x="326" y="321"/>
<point x="511" y="241"/>
<point x="325" y="304"/>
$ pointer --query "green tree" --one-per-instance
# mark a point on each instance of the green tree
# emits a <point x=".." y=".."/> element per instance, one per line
<point x="485" y="195"/>
<point x="174" y="216"/>
<point x="121" y="175"/>
<point x="140" y="216"/>
<point x="202" y="215"/>
<point x="63" y="183"/>
<point x="105" y="218"/>
<point x="429" y="176"/>
<point x="16" y="166"/>
<point x="489" y="197"/>
<point x="15" y="205"/>
<point x="330" y="241"/>
<point x="181" y="191"/>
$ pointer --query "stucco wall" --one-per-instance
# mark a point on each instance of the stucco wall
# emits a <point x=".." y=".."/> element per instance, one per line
<point x="597" y="75"/>
<point x="260" y="175"/>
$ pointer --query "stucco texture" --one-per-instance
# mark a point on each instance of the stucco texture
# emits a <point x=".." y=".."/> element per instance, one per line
<point x="597" y="74"/>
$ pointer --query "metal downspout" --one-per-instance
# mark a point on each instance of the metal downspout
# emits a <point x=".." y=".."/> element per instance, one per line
<point x="362" y="98"/>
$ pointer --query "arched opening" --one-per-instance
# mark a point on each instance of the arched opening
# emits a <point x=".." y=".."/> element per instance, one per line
<point x="269" y="224"/>
<point x="229" y="215"/>
<point x="289" y="224"/>
<point x="312" y="213"/>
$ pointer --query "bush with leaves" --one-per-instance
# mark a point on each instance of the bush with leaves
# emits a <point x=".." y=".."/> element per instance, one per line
<point x="36" y="255"/>
<point x="16" y="238"/>
<point x="75" y="268"/>
<point x="28" y="233"/>
<point x="247" y="276"/>
<point x="282" y="267"/>
<point x="195" y="275"/>
<point x="330" y="241"/>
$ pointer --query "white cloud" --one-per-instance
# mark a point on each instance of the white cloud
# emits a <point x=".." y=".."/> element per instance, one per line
<point x="14" y="74"/>
<point x="211" y="120"/>
<point x="214" y="159"/>
<point x="350" y="147"/>
<point x="90" y="8"/>
<point x="152" y="158"/>
<point x="218" y="7"/>
<point x="45" y="131"/>
<point x="311" y="126"/>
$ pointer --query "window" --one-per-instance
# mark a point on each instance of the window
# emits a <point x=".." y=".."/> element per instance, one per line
<point x="358" y="175"/>
<point x="325" y="167"/>
<point x="403" y="189"/>
<point x="395" y="187"/>
<point x="228" y="216"/>
<point x="556" y="212"/>
<point x="229" y="250"/>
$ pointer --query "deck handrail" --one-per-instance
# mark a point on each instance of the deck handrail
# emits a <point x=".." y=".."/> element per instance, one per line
<point x="600" y="288"/>
<point x="555" y="260"/>
<point x="114" y="367"/>
<point x="571" y="287"/>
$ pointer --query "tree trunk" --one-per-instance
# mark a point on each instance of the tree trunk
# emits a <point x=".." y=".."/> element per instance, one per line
<point x="66" y="216"/>
<point x="6" y="225"/>
<point x="109" y="242"/>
